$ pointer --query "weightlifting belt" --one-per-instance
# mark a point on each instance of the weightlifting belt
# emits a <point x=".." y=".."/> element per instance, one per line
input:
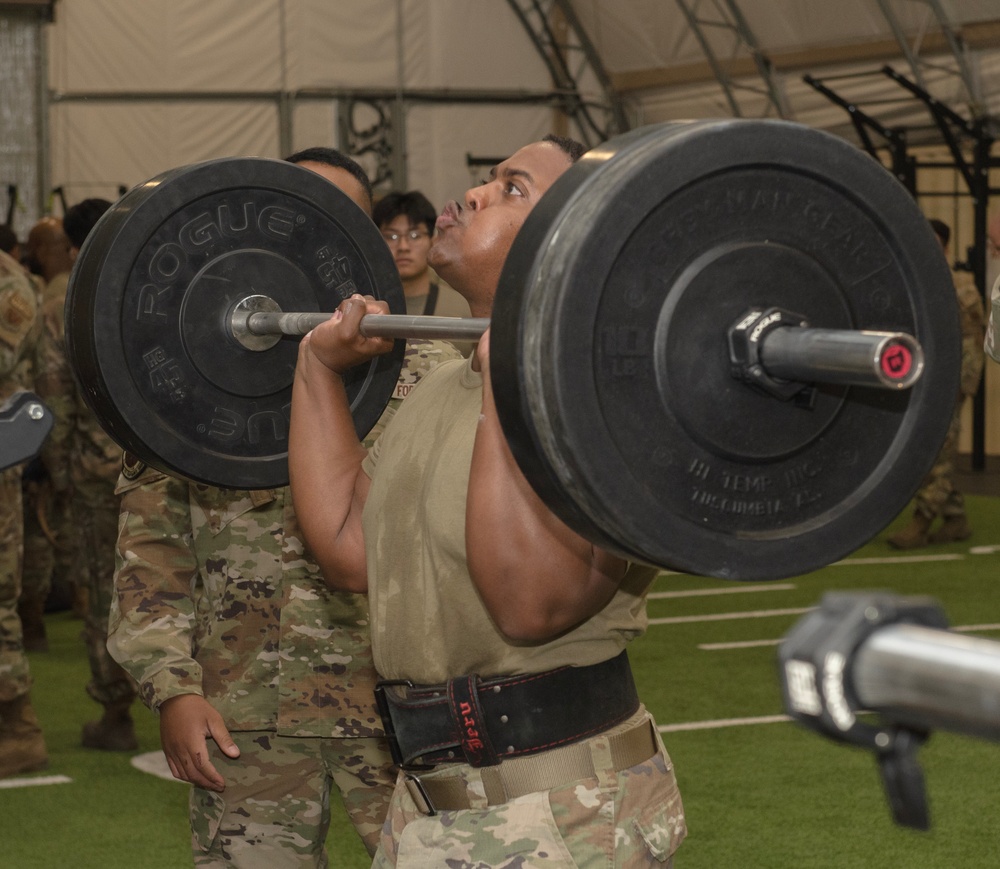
<point x="484" y="721"/>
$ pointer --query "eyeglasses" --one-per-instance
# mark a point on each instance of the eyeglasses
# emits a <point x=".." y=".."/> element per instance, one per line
<point x="413" y="235"/>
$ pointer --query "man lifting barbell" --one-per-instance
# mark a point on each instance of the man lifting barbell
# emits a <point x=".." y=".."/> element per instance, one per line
<point x="499" y="631"/>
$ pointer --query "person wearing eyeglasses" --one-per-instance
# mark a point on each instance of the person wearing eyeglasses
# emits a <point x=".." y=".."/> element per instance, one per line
<point x="406" y="221"/>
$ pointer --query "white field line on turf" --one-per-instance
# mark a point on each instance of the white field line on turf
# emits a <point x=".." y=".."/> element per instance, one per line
<point x="745" y="644"/>
<point x="34" y="782"/>
<point x="750" y="644"/>
<point x="899" y="559"/>
<point x="721" y="617"/>
<point x="722" y="722"/>
<point x="988" y="549"/>
<point x="729" y="589"/>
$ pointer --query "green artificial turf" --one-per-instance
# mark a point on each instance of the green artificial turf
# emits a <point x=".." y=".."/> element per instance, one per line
<point x="757" y="796"/>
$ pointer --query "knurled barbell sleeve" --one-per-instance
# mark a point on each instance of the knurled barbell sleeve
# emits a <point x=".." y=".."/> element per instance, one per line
<point x="930" y="679"/>
<point x="893" y="360"/>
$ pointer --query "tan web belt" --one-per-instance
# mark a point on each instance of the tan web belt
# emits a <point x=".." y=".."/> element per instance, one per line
<point x="524" y="775"/>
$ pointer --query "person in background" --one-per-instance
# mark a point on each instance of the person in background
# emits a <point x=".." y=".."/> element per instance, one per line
<point x="47" y="255"/>
<point x="991" y="343"/>
<point x="938" y="496"/>
<point x="406" y="221"/>
<point x="22" y="744"/>
<point x="52" y="540"/>
<point x="82" y="463"/>
<point x="261" y="675"/>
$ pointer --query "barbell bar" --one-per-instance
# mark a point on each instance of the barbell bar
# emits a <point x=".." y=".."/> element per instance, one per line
<point x="793" y="354"/>
<point x="881" y="671"/>
<point x="630" y="398"/>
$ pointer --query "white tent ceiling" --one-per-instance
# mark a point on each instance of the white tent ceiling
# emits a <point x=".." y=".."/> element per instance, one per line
<point x="708" y="58"/>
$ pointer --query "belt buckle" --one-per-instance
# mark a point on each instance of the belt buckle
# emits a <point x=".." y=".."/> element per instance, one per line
<point x="418" y="794"/>
<point x="385" y="713"/>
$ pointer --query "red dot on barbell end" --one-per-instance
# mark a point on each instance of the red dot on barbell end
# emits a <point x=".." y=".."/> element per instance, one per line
<point x="897" y="360"/>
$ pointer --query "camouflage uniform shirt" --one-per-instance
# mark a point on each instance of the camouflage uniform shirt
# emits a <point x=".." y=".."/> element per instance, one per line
<point x="18" y="326"/>
<point x="78" y="451"/>
<point x="992" y="342"/>
<point x="972" y="319"/>
<point x="215" y="595"/>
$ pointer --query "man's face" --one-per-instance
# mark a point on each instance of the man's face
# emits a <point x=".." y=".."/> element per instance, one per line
<point x="474" y="238"/>
<point x="409" y="244"/>
<point x="343" y="181"/>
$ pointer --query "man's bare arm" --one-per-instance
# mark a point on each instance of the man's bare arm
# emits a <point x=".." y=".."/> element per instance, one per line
<point x="536" y="576"/>
<point x="329" y="488"/>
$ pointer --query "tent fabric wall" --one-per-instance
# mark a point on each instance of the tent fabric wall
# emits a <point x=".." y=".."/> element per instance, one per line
<point x="131" y="57"/>
<point x="97" y="148"/>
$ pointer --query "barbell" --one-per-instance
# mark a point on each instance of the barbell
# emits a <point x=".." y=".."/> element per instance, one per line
<point x="882" y="671"/>
<point x="780" y="359"/>
<point x="723" y="347"/>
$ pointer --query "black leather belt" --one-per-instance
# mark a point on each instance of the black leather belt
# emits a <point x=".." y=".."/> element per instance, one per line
<point x="482" y="721"/>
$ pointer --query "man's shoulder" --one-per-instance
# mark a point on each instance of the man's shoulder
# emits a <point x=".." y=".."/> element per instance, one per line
<point x="423" y="356"/>
<point x="18" y="301"/>
<point x="13" y="278"/>
<point x="136" y="473"/>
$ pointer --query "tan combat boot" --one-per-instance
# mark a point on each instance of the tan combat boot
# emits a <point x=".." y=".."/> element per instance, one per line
<point x="22" y="746"/>
<point x="953" y="529"/>
<point x="115" y="731"/>
<point x="914" y="535"/>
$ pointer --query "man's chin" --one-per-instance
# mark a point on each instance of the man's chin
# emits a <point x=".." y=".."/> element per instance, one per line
<point x="438" y="260"/>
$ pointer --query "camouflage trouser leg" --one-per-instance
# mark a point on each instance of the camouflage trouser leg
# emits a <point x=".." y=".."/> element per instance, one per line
<point x="275" y="811"/>
<point x="96" y="509"/>
<point x="15" y="677"/>
<point x="629" y="819"/>
<point x="39" y="554"/>
<point x="69" y="567"/>
<point x="937" y="495"/>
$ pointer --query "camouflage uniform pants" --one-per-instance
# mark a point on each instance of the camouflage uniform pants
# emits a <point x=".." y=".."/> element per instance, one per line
<point x="627" y="819"/>
<point x="937" y="495"/>
<point x="45" y="565"/>
<point x="15" y="678"/>
<point x="275" y="810"/>
<point x="39" y="555"/>
<point x="96" y="510"/>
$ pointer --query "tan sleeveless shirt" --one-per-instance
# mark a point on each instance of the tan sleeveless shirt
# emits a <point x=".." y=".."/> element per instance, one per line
<point x="428" y="622"/>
